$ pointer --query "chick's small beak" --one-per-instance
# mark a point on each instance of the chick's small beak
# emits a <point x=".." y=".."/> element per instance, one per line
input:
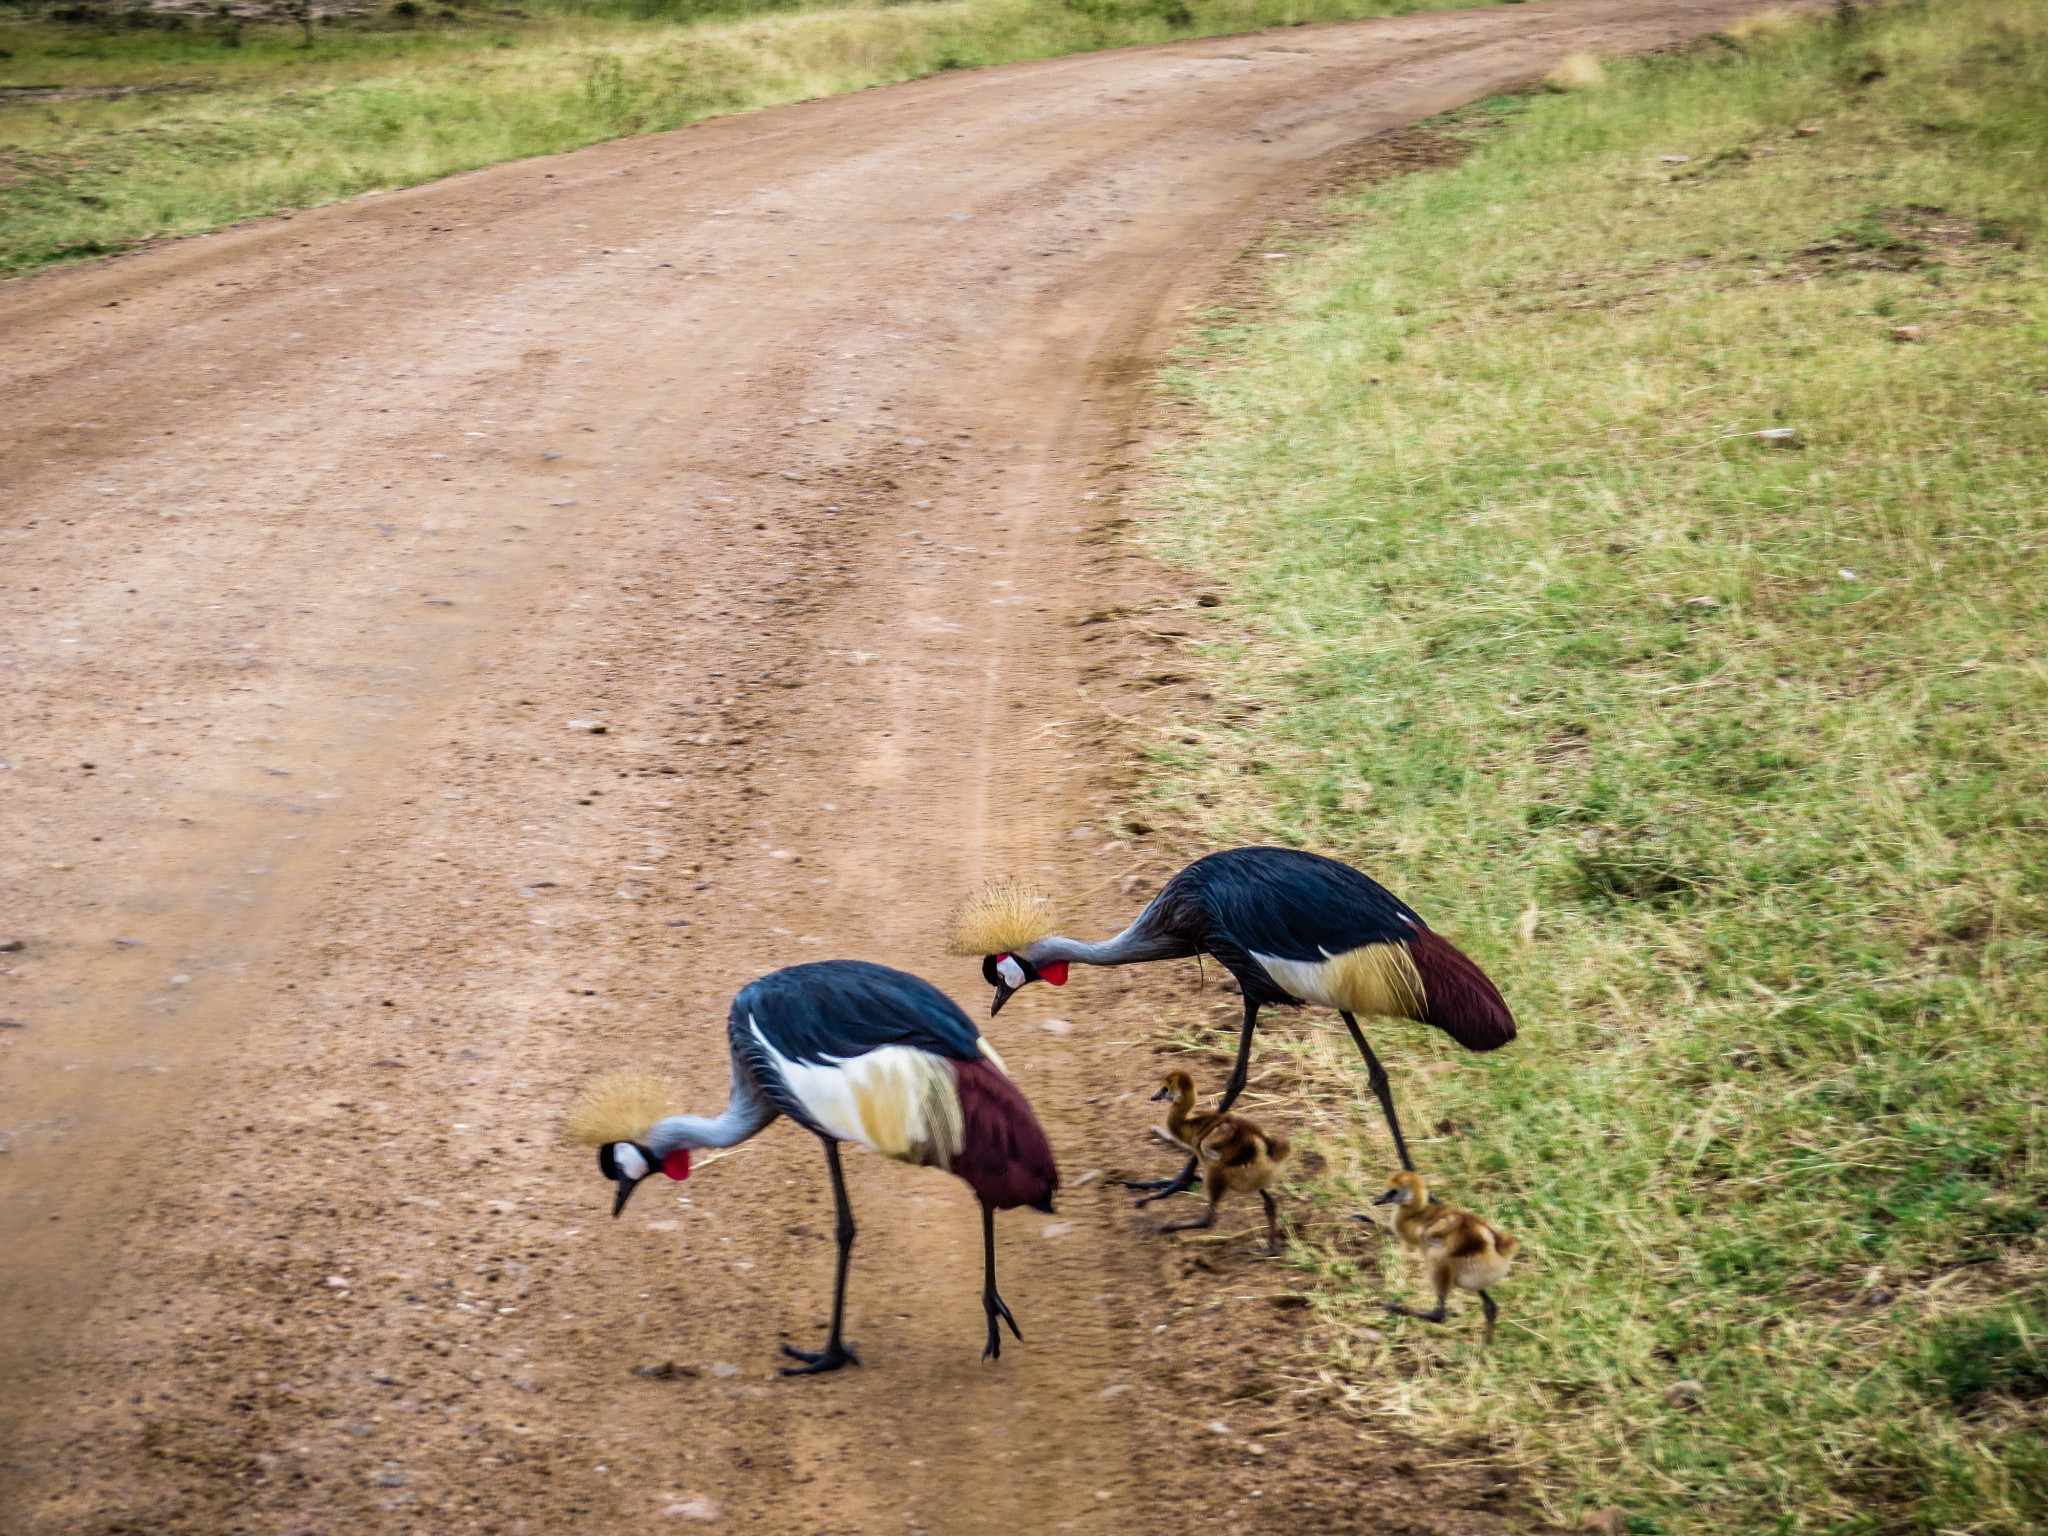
<point x="1165" y="1092"/>
<point x="1388" y="1198"/>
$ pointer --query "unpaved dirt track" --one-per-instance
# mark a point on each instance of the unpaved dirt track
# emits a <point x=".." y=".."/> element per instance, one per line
<point x="784" y="448"/>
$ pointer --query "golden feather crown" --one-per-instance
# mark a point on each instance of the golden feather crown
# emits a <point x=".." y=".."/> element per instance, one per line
<point x="617" y="1106"/>
<point x="1001" y="919"/>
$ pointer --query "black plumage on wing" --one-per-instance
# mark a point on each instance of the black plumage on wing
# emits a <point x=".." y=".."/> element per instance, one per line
<point x="1281" y="902"/>
<point x="832" y="1009"/>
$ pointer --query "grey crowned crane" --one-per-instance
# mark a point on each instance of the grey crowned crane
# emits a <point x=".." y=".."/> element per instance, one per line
<point x="856" y="1052"/>
<point x="1291" y="927"/>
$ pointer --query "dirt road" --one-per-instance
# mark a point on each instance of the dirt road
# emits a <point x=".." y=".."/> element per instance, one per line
<point x="454" y="640"/>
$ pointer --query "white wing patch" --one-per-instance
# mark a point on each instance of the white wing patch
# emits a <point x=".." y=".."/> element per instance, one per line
<point x="899" y="1101"/>
<point x="1374" y="980"/>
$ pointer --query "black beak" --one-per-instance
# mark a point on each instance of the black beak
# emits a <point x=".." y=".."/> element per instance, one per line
<point x="626" y="1188"/>
<point x="1163" y="1093"/>
<point x="1388" y="1198"/>
<point x="1004" y="992"/>
<point x="609" y="1164"/>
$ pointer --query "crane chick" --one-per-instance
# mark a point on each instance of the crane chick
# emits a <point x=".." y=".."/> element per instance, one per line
<point x="1458" y="1248"/>
<point x="1233" y="1154"/>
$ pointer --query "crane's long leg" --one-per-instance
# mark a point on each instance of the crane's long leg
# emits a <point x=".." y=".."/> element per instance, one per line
<point x="991" y="1303"/>
<point x="1186" y="1177"/>
<point x="836" y="1352"/>
<point x="1376" y="1078"/>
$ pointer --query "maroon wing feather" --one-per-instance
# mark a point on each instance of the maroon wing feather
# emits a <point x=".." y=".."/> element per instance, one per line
<point x="1461" y="1000"/>
<point x="1004" y="1156"/>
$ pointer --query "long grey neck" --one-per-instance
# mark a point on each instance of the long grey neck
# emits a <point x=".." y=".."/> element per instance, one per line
<point x="747" y="1113"/>
<point x="1136" y="943"/>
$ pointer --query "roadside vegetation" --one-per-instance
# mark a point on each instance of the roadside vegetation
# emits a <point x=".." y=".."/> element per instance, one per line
<point x="1723" y="752"/>
<point x="120" y="125"/>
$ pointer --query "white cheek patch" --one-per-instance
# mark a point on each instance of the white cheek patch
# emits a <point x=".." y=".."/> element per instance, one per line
<point x="627" y="1159"/>
<point x="1011" y="972"/>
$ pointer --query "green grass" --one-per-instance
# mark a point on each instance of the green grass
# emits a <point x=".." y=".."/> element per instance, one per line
<point x="256" y="119"/>
<point x="1727" y="759"/>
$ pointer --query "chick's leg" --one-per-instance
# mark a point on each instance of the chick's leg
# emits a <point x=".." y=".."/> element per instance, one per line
<point x="1191" y="1223"/>
<point x="1213" y="1187"/>
<point x="1272" y="1221"/>
<point x="1443" y="1285"/>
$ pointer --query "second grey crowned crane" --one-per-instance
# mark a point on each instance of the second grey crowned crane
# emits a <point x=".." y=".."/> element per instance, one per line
<point x="851" y="1051"/>
<point x="1291" y="927"/>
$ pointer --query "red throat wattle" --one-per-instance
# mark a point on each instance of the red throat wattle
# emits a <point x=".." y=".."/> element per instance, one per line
<point x="1056" y="973"/>
<point x="677" y="1164"/>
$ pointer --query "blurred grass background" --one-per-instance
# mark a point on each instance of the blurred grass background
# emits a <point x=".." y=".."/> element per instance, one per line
<point x="223" y="118"/>
<point x="1725" y="754"/>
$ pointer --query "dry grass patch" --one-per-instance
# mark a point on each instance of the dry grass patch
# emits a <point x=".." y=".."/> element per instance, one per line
<point x="1576" y="72"/>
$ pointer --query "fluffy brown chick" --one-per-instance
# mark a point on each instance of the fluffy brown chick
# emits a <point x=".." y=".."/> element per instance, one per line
<point x="1184" y="1123"/>
<point x="1232" y="1153"/>
<point x="1457" y="1248"/>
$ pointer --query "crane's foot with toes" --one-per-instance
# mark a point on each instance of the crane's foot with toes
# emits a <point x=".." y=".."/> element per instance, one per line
<point x="818" y="1361"/>
<point x="997" y="1308"/>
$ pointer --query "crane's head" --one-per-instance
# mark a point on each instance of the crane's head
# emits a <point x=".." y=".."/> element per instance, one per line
<point x="626" y="1163"/>
<point x="618" y="1113"/>
<point x="1012" y="973"/>
<point x="1000" y="923"/>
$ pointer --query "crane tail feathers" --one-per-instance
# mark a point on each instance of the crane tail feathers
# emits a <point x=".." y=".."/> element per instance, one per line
<point x="1004" y="1155"/>
<point x="1458" y="997"/>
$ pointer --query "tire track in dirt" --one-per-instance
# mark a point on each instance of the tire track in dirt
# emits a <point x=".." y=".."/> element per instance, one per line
<point x="782" y="448"/>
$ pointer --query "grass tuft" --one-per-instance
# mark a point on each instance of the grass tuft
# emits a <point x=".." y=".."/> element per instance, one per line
<point x="1723" y="752"/>
<point x="1993" y="1354"/>
<point x="1576" y="72"/>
